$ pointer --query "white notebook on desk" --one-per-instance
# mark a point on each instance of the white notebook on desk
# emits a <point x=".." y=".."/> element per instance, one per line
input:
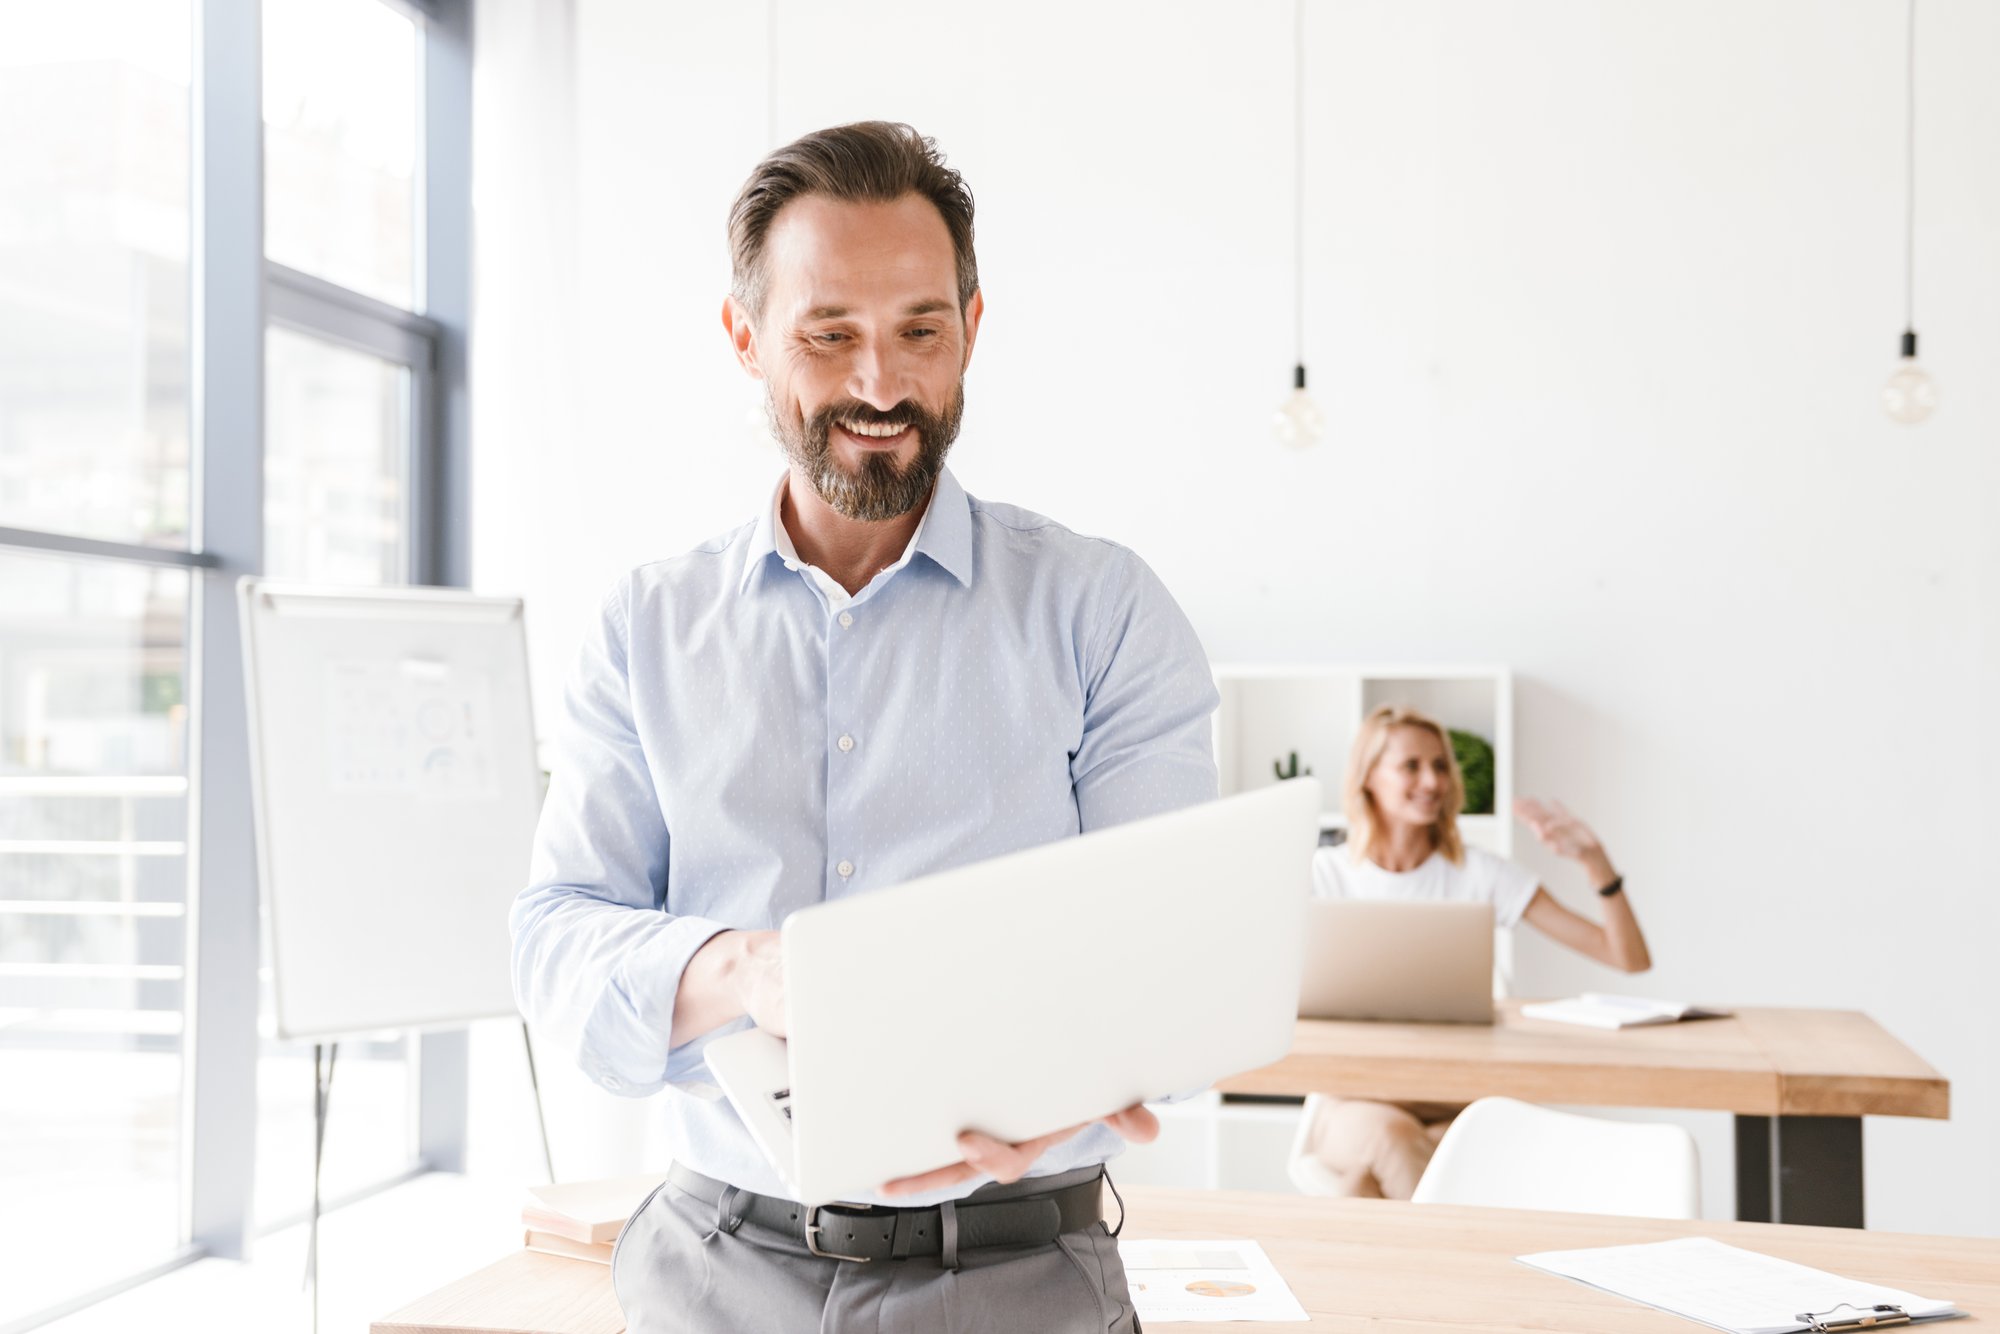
<point x="1595" y="1009"/>
<point x="1734" y="1289"/>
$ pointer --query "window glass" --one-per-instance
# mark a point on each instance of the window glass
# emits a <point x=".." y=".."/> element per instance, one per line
<point x="336" y="456"/>
<point x="94" y="268"/>
<point x="93" y="888"/>
<point x="340" y="143"/>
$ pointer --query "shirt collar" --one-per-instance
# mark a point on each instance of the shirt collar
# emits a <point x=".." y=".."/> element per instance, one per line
<point x="944" y="533"/>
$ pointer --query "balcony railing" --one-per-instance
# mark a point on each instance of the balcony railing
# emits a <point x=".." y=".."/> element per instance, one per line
<point x="128" y="850"/>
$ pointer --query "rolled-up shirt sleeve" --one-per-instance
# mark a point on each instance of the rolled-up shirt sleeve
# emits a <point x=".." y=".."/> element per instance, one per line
<point x="598" y="953"/>
<point x="1147" y="745"/>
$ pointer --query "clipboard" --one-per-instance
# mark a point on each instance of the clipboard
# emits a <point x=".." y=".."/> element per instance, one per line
<point x="1882" y="1315"/>
<point x="1743" y="1291"/>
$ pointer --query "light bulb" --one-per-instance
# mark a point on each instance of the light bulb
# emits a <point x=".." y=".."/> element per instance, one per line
<point x="1298" y="420"/>
<point x="1910" y="394"/>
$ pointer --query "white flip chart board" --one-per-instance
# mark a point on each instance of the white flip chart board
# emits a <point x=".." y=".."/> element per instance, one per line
<point x="392" y="760"/>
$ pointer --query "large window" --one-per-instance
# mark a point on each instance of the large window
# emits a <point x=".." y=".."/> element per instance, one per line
<point x="94" y="268"/>
<point x="94" y="444"/>
<point x="336" y="462"/>
<point x="340" y="144"/>
<point x="162" y="433"/>
<point x="93" y="879"/>
<point x="347" y="369"/>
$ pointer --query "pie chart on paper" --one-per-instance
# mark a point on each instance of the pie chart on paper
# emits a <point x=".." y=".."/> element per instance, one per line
<point x="1217" y="1287"/>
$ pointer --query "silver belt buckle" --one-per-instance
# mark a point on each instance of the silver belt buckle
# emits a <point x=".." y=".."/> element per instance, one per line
<point x="812" y="1233"/>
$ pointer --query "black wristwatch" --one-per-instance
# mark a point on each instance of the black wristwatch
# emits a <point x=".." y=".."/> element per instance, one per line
<point x="1617" y="886"/>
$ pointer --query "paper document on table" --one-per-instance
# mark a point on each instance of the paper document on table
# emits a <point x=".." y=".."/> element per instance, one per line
<point x="1177" y="1281"/>
<point x="1600" y="1010"/>
<point x="1731" y="1288"/>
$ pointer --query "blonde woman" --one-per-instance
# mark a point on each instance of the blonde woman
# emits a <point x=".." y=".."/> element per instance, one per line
<point x="1402" y="797"/>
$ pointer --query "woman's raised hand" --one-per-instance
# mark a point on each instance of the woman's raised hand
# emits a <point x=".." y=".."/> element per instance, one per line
<point x="1558" y="830"/>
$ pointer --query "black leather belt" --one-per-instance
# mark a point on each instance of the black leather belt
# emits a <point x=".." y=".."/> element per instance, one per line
<point x="879" y="1232"/>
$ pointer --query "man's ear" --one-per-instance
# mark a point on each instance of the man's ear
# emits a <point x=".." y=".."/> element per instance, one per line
<point x="742" y="336"/>
<point x="974" y="309"/>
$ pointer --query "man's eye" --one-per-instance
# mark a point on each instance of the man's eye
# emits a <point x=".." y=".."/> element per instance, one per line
<point x="829" y="339"/>
<point x="923" y="333"/>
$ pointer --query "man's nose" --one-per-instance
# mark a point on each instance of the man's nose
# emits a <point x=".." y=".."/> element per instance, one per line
<point x="874" y="379"/>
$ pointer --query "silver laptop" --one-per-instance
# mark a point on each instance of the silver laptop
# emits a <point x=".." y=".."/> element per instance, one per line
<point x="1373" y="959"/>
<point x="1028" y="993"/>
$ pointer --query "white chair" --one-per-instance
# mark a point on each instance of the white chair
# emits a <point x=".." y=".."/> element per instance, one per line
<point x="1514" y="1155"/>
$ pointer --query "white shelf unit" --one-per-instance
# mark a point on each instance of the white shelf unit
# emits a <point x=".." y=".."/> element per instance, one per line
<point x="1270" y="710"/>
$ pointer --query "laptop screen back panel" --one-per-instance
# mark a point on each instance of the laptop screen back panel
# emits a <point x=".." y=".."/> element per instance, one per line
<point x="1046" y="988"/>
<point x="1420" y="962"/>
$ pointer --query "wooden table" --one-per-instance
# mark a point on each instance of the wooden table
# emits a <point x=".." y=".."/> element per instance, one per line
<point x="1376" y="1265"/>
<point x="1798" y="1081"/>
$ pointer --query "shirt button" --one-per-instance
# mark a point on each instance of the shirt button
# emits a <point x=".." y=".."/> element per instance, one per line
<point x="845" y="743"/>
<point x="846" y="869"/>
<point x="846" y="619"/>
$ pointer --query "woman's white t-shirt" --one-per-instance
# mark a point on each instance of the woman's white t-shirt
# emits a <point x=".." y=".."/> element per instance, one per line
<point x="1481" y="878"/>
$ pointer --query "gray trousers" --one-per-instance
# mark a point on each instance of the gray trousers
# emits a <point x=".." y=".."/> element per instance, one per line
<point x="678" y="1269"/>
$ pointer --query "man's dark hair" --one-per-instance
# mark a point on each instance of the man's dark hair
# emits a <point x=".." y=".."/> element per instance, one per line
<point x="874" y="161"/>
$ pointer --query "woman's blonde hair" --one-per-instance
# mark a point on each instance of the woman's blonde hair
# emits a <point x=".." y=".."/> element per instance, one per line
<point x="1364" y="821"/>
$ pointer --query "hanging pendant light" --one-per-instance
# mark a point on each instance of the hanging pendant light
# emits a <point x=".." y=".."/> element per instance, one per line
<point x="1910" y="394"/>
<point x="1299" y="420"/>
<point x="758" y="428"/>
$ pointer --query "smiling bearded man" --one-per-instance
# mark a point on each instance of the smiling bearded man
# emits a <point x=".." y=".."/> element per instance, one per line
<point x="878" y="678"/>
<point x="880" y="490"/>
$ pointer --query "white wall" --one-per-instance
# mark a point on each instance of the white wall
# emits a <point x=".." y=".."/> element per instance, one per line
<point x="1600" y="299"/>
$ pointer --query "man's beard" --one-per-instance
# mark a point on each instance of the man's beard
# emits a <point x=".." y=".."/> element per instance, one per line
<point x="879" y="489"/>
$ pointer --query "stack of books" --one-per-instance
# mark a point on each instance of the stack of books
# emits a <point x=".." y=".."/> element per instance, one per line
<point x="582" y="1219"/>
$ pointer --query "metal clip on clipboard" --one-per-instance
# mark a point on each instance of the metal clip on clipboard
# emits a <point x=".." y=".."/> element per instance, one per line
<point x="1865" y="1317"/>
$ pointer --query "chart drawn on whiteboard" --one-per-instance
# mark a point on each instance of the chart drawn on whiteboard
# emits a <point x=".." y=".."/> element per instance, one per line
<point x="412" y="728"/>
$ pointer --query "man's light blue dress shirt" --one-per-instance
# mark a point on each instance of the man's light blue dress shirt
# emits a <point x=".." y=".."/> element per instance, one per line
<point x="734" y="748"/>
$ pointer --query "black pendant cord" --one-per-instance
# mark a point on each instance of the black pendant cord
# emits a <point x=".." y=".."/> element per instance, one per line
<point x="771" y="75"/>
<point x="1910" y="188"/>
<point x="1299" y="194"/>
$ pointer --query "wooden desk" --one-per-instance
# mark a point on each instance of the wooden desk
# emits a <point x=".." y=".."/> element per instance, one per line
<point x="526" y="1293"/>
<point x="1798" y="1081"/>
<point x="1377" y="1265"/>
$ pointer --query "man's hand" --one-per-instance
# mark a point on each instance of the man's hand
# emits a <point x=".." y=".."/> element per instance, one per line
<point x="759" y="980"/>
<point x="986" y="1156"/>
<point x="734" y="974"/>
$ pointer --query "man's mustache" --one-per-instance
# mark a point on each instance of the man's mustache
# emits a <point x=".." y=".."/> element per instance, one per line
<point x="905" y="413"/>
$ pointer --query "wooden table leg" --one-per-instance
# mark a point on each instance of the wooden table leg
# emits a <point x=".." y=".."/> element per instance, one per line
<point x="1799" y="1169"/>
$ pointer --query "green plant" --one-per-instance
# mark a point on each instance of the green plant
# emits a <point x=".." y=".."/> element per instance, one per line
<point x="1475" y="766"/>
<point x="159" y="692"/>
<point x="1293" y="771"/>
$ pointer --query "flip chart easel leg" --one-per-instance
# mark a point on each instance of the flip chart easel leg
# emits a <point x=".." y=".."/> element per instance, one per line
<point x="541" y="1116"/>
<point x="322" y="1092"/>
